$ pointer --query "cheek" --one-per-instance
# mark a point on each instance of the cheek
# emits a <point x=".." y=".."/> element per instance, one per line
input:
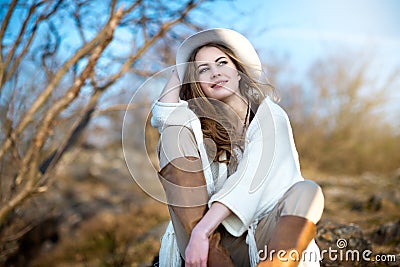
<point x="204" y="87"/>
<point x="232" y="72"/>
<point x="235" y="74"/>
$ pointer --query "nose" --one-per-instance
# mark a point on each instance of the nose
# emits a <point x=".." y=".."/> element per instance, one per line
<point x="215" y="72"/>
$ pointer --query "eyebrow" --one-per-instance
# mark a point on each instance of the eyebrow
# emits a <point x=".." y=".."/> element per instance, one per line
<point x="205" y="64"/>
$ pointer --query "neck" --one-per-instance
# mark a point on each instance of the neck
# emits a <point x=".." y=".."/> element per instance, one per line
<point x="238" y="104"/>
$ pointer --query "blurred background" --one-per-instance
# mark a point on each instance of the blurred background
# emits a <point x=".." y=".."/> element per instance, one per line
<point x="78" y="184"/>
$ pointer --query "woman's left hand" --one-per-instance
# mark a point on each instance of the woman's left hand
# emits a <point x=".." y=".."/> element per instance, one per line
<point x="196" y="253"/>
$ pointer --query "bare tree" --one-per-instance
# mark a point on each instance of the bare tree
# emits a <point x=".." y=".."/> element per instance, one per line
<point x="57" y="59"/>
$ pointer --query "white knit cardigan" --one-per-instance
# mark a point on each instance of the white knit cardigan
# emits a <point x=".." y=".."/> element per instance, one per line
<point x="268" y="168"/>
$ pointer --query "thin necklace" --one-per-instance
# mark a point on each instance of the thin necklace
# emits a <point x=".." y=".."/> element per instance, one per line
<point x="245" y="119"/>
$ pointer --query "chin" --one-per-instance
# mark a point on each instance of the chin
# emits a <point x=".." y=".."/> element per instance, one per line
<point x="222" y="94"/>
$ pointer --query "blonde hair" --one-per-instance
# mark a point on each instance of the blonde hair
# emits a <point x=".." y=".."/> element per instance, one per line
<point x="218" y="123"/>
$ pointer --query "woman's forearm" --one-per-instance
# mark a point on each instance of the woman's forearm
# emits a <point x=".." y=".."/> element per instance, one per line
<point x="170" y="94"/>
<point x="212" y="219"/>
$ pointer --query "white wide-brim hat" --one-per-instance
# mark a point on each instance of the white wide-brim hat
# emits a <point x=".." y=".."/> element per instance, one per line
<point x="240" y="46"/>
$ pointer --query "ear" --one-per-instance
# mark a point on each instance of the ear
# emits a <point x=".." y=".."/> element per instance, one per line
<point x="240" y="77"/>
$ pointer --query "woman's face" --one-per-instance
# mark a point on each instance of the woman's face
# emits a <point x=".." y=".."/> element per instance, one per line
<point x="218" y="76"/>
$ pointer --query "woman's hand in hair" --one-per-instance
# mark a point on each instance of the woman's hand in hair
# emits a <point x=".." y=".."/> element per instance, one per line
<point x="170" y="94"/>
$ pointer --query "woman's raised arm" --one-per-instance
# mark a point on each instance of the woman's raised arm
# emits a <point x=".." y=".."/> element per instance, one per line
<point x="170" y="94"/>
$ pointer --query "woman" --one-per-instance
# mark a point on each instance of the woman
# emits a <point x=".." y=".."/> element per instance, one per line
<point x="228" y="162"/>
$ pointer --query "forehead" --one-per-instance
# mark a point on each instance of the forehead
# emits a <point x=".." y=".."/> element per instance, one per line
<point x="209" y="53"/>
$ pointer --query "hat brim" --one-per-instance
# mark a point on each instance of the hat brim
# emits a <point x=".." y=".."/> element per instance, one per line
<point x="235" y="41"/>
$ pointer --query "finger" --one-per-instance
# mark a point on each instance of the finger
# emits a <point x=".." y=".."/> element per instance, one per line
<point x="190" y="263"/>
<point x="193" y="264"/>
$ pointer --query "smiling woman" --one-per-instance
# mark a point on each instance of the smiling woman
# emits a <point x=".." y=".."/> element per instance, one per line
<point x="228" y="163"/>
<point x="218" y="77"/>
<point x="223" y="80"/>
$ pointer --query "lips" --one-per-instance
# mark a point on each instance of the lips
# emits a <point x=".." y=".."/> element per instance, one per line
<point x="218" y="84"/>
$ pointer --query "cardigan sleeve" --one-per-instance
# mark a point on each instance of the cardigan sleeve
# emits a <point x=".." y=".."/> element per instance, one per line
<point x="268" y="168"/>
<point x="171" y="114"/>
<point x="179" y="114"/>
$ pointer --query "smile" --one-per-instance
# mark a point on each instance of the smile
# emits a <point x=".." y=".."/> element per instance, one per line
<point x="218" y="84"/>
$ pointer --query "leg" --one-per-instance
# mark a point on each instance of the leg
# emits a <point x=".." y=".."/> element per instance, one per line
<point x="236" y="247"/>
<point x="184" y="184"/>
<point x="290" y="227"/>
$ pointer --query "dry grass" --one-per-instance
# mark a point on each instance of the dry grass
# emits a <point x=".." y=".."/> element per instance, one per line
<point x="109" y="239"/>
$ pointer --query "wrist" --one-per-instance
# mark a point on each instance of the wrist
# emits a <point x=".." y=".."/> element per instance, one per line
<point x="200" y="231"/>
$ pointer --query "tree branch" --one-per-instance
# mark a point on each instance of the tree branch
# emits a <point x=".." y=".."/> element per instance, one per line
<point x="72" y="137"/>
<point x="42" y="98"/>
<point x="121" y="107"/>
<point x="30" y="166"/>
<point x="3" y="29"/>
<point x="6" y="20"/>
<point x="164" y="28"/>
<point x="11" y="54"/>
<point x="50" y="50"/>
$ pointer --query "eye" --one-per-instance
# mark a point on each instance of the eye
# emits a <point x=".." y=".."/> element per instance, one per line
<point x="202" y="70"/>
<point x="222" y="62"/>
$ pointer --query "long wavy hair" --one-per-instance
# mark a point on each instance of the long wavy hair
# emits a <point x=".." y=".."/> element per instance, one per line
<point x="218" y="121"/>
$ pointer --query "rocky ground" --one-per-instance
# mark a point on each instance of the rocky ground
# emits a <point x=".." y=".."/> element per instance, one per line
<point x="364" y="213"/>
<point x="96" y="215"/>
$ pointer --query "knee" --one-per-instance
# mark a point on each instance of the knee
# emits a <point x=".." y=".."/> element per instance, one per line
<point x="309" y="195"/>
<point x="176" y="142"/>
<point x="178" y="138"/>
<point x="311" y="189"/>
<point x="317" y="200"/>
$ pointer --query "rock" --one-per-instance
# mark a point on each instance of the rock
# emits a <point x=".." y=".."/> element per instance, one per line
<point x="387" y="234"/>
<point x="374" y="203"/>
<point x="342" y="245"/>
<point x="357" y="206"/>
<point x="30" y="244"/>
